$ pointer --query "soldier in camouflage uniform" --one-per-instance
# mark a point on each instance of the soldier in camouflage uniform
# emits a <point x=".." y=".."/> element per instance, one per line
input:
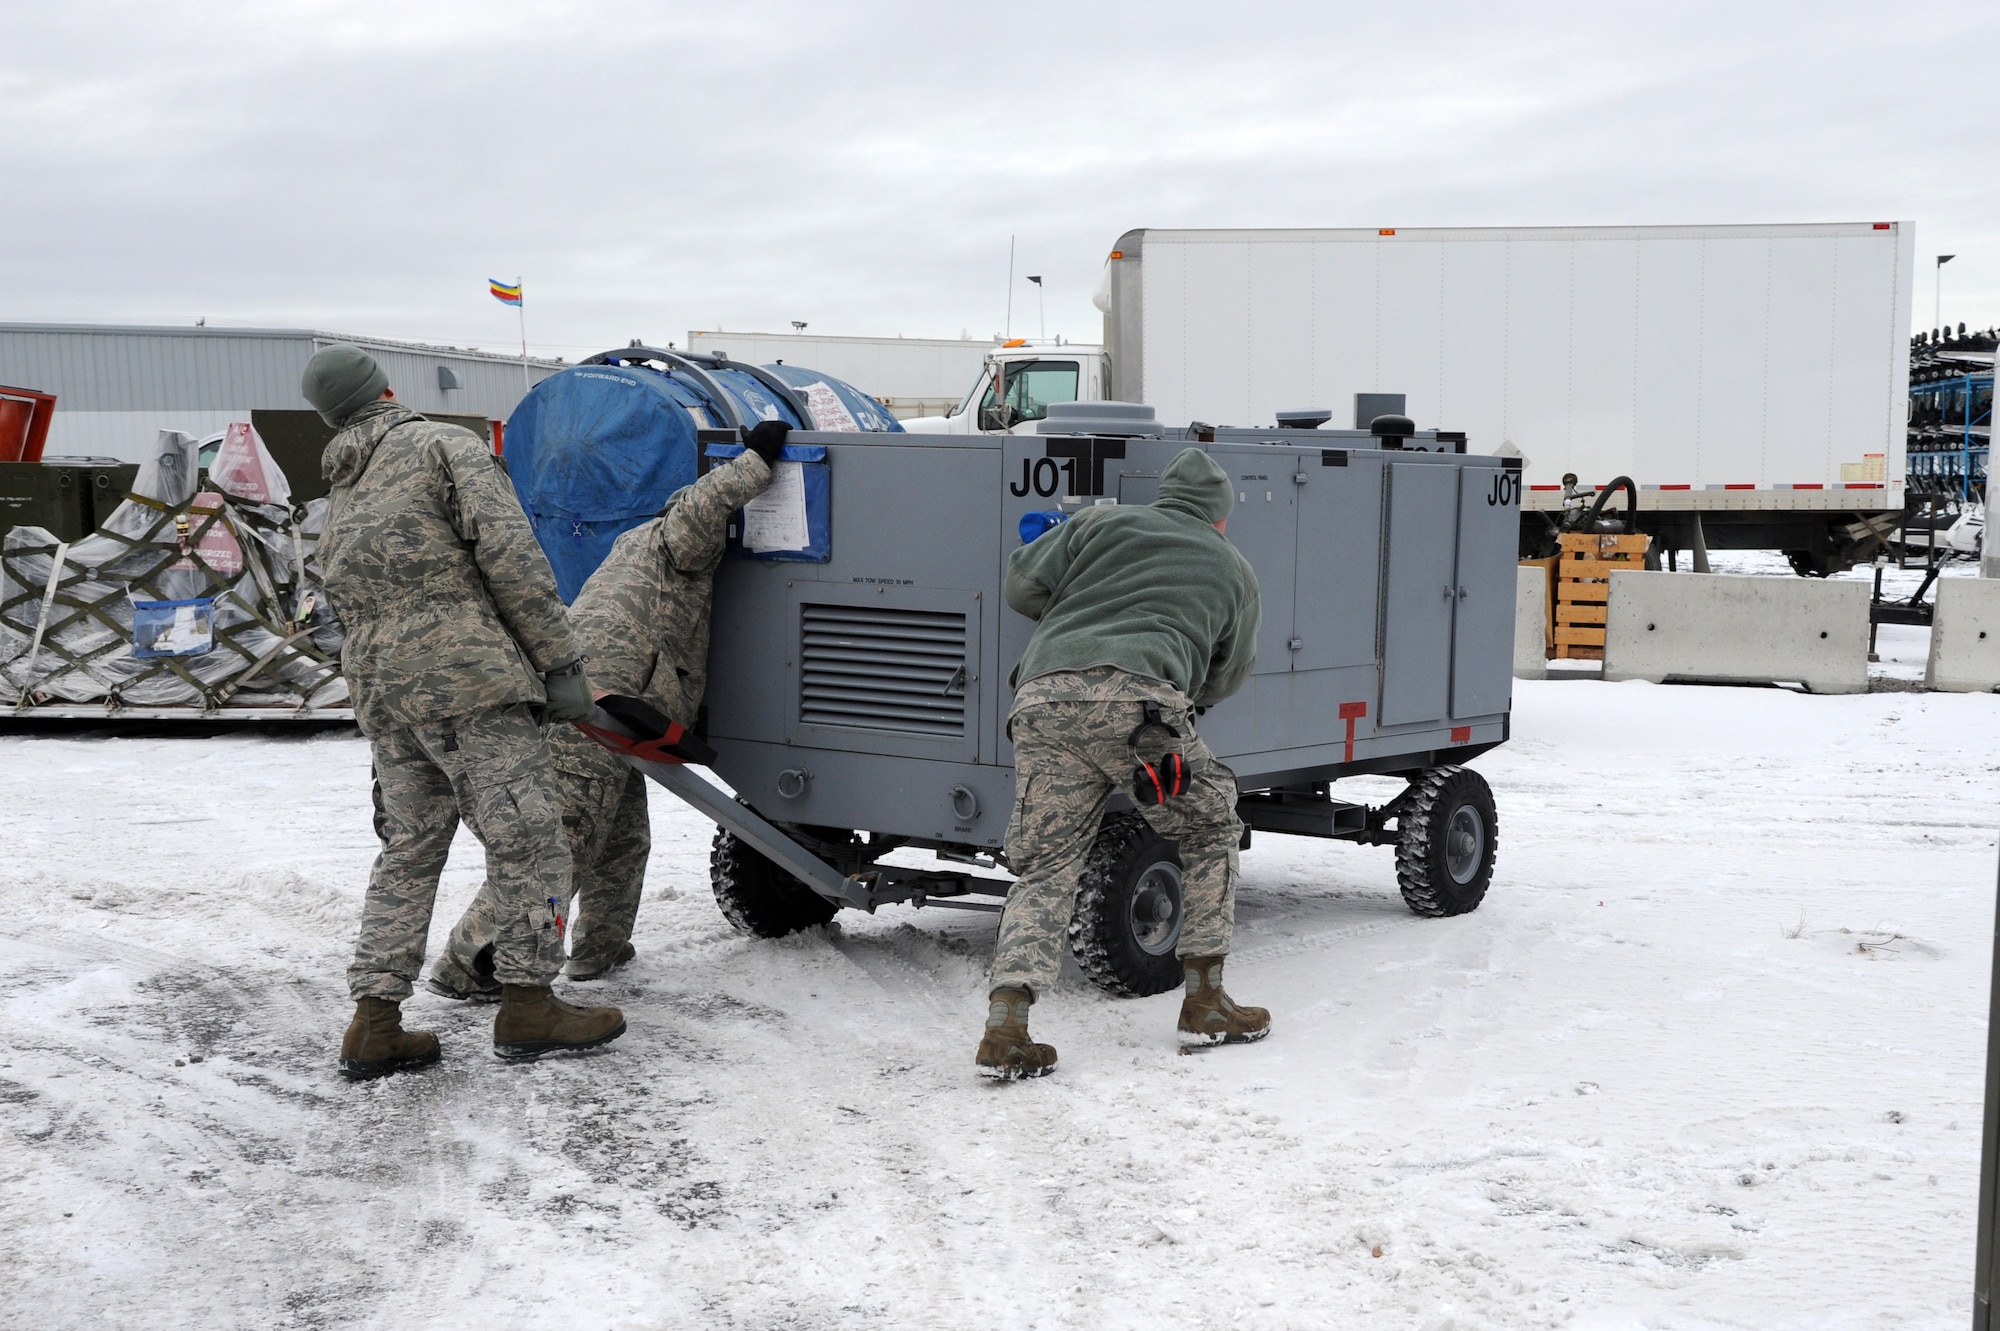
<point x="454" y="633"/>
<point x="1136" y="605"/>
<point x="643" y="620"/>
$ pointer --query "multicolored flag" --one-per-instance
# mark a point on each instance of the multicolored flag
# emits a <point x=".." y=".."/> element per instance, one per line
<point x="506" y="295"/>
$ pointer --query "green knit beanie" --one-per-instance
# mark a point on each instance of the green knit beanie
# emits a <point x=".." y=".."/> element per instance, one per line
<point x="1194" y="483"/>
<point x="340" y="380"/>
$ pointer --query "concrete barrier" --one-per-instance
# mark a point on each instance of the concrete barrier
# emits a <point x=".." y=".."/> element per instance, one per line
<point x="1965" y="637"/>
<point x="1531" y="623"/>
<point x="1738" y="630"/>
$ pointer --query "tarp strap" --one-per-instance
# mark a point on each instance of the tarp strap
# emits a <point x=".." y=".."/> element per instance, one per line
<point x="42" y="623"/>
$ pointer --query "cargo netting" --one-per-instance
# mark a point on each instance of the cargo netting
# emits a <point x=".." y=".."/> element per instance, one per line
<point x="235" y="547"/>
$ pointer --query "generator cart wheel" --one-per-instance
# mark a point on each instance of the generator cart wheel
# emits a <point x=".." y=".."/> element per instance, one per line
<point x="1128" y="910"/>
<point x="758" y="897"/>
<point x="1446" y="837"/>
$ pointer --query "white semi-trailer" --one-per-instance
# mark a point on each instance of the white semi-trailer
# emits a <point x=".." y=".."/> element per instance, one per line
<point x="1752" y="380"/>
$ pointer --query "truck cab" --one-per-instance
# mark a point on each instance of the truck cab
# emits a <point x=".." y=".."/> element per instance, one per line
<point x="1017" y="385"/>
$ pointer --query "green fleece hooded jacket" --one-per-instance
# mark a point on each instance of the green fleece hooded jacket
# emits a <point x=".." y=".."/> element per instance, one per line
<point x="1154" y="589"/>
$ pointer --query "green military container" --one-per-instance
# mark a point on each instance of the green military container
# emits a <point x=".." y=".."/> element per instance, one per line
<point x="110" y="482"/>
<point x="54" y="493"/>
<point x="296" y="439"/>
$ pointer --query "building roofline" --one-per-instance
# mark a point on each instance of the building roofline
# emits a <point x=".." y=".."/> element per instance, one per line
<point x="983" y="343"/>
<point x="277" y="335"/>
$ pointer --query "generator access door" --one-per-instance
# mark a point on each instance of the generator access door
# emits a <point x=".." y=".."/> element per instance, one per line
<point x="1482" y="647"/>
<point x="1340" y="557"/>
<point x="1420" y="591"/>
<point x="1264" y="527"/>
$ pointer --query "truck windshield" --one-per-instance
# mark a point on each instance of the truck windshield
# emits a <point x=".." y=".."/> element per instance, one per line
<point x="1023" y="390"/>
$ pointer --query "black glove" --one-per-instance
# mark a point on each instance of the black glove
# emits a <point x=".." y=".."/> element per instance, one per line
<point x="569" y="694"/>
<point x="766" y="439"/>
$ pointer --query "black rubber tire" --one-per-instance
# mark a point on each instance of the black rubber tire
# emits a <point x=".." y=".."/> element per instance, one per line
<point x="1102" y="932"/>
<point x="1441" y="800"/>
<point x="758" y="897"/>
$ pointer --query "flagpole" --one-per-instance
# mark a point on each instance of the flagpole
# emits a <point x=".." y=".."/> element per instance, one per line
<point x="521" y="309"/>
<point x="1010" y="287"/>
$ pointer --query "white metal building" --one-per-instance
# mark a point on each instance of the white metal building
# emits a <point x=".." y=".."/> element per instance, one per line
<point x="117" y="386"/>
<point x="912" y="376"/>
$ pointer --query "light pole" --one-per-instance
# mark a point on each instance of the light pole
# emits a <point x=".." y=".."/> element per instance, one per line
<point x="1983" y="1283"/>
<point x="1041" y="309"/>
<point x="1937" y="290"/>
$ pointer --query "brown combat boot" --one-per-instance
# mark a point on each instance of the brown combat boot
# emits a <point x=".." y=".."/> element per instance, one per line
<point x="1210" y="1016"/>
<point x="532" y="1021"/>
<point x="595" y="968"/>
<point x="1006" y="1052"/>
<point x="377" y="1044"/>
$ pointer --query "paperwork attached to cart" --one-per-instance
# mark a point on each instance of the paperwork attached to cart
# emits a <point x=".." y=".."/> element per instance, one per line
<point x="776" y="519"/>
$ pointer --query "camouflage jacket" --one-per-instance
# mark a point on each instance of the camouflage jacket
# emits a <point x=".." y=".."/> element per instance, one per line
<point x="643" y="616"/>
<point x="448" y="602"/>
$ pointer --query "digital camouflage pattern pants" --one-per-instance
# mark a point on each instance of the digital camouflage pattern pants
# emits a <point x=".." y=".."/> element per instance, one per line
<point x="1068" y="757"/>
<point x="609" y="839"/>
<point x="491" y="769"/>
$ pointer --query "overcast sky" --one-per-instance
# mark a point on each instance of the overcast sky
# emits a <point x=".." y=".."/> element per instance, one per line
<point x="648" y="169"/>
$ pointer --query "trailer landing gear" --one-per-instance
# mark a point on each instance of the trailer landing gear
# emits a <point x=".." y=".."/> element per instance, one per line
<point x="1128" y="910"/>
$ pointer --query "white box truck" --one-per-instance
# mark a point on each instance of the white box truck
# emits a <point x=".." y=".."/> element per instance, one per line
<point x="1751" y="380"/>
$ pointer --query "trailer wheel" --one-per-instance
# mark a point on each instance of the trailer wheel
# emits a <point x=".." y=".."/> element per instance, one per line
<point x="1445" y="842"/>
<point x="1128" y="910"/>
<point x="758" y="897"/>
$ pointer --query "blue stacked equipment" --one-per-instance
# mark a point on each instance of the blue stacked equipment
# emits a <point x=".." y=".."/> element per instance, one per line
<point x="871" y="416"/>
<point x="599" y="448"/>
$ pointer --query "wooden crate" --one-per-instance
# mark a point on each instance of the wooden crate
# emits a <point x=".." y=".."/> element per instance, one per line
<point x="1583" y="589"/>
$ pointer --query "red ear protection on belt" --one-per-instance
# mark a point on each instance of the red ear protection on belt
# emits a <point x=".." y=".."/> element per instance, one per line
<point x="1157" y="782"/>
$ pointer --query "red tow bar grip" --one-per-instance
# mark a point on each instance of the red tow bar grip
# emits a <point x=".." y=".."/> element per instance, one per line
<point x="639" y="731"/>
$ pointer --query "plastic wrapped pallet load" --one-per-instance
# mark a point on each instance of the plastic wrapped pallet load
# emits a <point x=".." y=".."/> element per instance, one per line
<point x="184" y="597"/>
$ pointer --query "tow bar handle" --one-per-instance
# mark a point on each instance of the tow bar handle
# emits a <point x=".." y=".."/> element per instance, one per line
<point x="663" y="755"/>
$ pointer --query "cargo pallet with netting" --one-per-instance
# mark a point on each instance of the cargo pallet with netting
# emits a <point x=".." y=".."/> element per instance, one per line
<point x="196" y="597"/>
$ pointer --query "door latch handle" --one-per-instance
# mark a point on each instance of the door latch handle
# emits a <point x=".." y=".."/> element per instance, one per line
<point x="1461" y="593"/>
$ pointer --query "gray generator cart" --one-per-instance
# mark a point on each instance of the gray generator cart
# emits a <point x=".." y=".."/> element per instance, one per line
<point x="858" y="705"/>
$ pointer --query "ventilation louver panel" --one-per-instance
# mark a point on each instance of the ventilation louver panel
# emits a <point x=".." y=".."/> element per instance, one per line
<point x="884" y="669"/>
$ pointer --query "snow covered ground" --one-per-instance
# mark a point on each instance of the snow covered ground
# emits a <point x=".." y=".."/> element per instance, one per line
<point x="1710" y="1056"/>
